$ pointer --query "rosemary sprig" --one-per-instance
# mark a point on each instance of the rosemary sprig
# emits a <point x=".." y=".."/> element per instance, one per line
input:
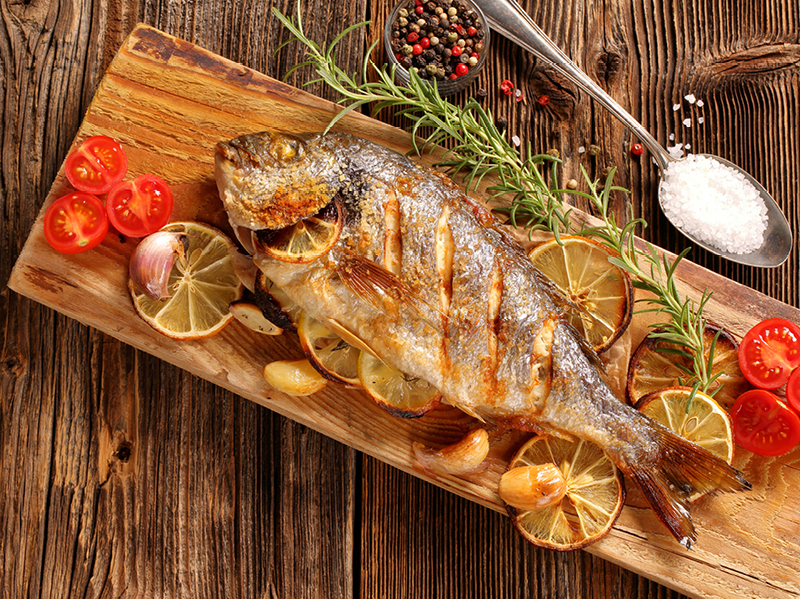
<point x="656" y="274"/>
<point x="477" y="148"/>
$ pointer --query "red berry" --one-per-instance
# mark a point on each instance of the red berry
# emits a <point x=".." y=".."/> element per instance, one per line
<point x="419" y="10"/>
<point x="461" y="69"/>
<point x="637" y="149"/>
<point x="416" y="49"/>
<point x="472" y="32"/>
<point x="457" y="50"/>
<point x="507" y="87"/>
<point x="425" y="42"/>
<point x="543" y="100"/>
<point x="412" y="37"/>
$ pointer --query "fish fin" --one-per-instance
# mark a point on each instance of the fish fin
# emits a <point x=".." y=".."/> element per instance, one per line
<point x="376" y="285"/>
<point x="684" y="469"/>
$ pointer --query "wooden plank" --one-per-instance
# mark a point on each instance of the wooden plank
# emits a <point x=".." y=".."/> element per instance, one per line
<point x="169" y="102"/>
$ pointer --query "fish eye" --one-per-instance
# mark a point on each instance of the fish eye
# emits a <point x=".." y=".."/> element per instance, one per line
<point x="285" y="149"/>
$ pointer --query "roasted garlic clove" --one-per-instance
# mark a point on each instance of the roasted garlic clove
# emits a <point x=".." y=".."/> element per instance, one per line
<point x="533" y="487"/>
<point x="462" y="458"/>
<point x="294" y="377"/>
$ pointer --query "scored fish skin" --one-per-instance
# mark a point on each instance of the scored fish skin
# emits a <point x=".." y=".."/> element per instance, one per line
<point x="431" y="282"/>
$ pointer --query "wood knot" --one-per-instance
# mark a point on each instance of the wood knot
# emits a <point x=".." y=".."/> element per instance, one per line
<point x="123" y="452"/>
<point x="755" y="61"/>
<point x="607" y="66"/>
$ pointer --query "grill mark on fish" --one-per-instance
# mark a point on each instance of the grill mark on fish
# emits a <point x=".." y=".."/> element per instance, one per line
<point x="392" y="237"/>
<point x="495" y="298"/>
<point x="545" y="378"/>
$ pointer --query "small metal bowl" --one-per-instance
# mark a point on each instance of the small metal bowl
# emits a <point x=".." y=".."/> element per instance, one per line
<point x="446" y="87"/>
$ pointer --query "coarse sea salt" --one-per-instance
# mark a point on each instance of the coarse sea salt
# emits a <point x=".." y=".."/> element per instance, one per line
<point x="714" y="203"/>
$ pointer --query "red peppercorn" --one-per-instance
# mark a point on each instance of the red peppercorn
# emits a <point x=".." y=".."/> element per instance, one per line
<point x="637" y="149"/>
<point x="419" y="10"/>
<point x="459" y="29"/>
<point x="457" y="50"/>
<point x="461" y="69"/>
<point x="425" y="42"/>
<point x="543" y="100"/>
<point x="412" y="37"/>
<point x="416" y="49"/>
<point x="474" y="55"/>
<point x="453" y="76"/>
<point x="507" y="87"/>
<point x="472" y="32"/>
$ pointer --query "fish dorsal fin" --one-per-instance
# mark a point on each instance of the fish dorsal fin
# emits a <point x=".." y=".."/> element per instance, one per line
<point x="381" y="288"/>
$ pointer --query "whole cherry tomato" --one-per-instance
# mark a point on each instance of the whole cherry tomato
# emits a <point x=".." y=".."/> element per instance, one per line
<point x="97" y="165"/>
<point x="140" y="207"/>
<point x="763" y="425"/>
<point x="793" y="391"/>
<point x="75" y="223"/>
<point x="769" y="353"/>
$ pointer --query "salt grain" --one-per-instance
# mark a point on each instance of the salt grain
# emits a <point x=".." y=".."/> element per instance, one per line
<point x="581" y="149"/>
<point x="701" y="120"/>
<point x="676" y="107"/>
<point x="700" y="104"/>
<point x="690" y="98"/>
<point x="515" y="139"/>
<point x="715" y="204"/>
<point x="687" y="122"/>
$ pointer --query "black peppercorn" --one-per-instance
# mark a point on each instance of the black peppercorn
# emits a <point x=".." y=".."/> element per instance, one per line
<point x="502" y="124"/>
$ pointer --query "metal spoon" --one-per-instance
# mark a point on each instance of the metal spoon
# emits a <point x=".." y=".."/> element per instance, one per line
<point x="507" y="18"/>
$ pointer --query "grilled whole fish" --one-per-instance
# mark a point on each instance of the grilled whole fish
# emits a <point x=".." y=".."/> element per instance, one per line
<point x="431" y="283"/>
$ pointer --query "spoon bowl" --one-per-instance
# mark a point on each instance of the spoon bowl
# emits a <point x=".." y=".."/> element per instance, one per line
<point x="507" y="18"/>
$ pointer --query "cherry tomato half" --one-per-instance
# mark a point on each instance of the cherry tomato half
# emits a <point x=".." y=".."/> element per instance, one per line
<point x="763" y="425"/>
<point x="97" y="165"/>
<point x="140" y="207"/>
<point x="75" y="223"/>
<point x="769" y="353"/>
<point x="793" y="391"/>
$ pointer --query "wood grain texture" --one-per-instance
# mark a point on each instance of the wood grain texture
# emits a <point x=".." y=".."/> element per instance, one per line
<point x="127" y="476"/>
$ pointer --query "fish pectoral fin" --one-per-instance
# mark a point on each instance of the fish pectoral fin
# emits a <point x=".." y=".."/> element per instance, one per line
<point x="683" y="469"/>
<point x="381" y="288"/>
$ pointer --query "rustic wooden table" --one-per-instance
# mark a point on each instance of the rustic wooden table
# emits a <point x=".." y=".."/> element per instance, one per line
<point x="122" y="475"/>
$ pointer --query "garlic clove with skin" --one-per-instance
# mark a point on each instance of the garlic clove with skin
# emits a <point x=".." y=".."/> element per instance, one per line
<point x="152" y="262"/>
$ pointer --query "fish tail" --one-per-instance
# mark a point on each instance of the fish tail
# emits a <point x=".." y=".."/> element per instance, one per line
<point x="683" y="469"/>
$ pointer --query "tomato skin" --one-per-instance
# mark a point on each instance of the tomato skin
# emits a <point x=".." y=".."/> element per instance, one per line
<point x="763" y="425"/>
<point x="75" y="223"/>
<point x="97" y="165"/>
<point x="140" y="207"/>
<point x="769" y="353"/>
<point x="793" y="391"/>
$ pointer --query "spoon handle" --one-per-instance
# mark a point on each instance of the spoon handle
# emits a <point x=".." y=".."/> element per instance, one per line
<point x="508" y="18"/>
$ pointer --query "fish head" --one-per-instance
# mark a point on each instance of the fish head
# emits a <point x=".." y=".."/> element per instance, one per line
<point x="273" y="180"/>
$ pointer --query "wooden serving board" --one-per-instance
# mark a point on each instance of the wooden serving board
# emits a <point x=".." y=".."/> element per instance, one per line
<point x="169" y="102"/>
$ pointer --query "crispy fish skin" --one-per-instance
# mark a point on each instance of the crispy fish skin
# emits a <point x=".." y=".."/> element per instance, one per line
<point x="431" y="282"/>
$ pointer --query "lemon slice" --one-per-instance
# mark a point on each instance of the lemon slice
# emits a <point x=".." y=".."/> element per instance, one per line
<point x="401" y="395"/>
<point x="602" y="293"/>
<point x="701" y="421"/>
<point x="305" y="241"/>
<point x="651" y="370"/>
<point x="579" y="515"/>
<point x="334" y="358"/>
<point x="202" y="286"/>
